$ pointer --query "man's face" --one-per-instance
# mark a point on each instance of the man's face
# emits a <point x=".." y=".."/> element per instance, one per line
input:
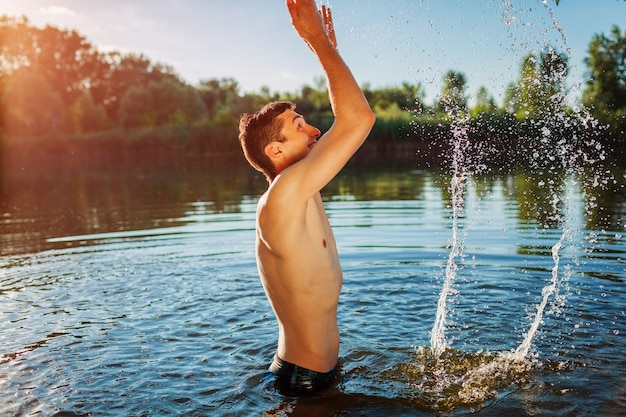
<point x="300" y="137"/>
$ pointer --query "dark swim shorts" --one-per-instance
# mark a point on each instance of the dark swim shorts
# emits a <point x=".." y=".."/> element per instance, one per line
<point x="296" y="380"/>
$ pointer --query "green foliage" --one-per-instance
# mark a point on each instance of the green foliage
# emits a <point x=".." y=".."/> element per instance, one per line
<point x="65" y="65"/>
<point x="30" y="105"/>
<point x="113" y="74"/>
<point x="87" y="116"/>
<point x="225" y="104"/>
<point x="59" y="56"/>
<point x="453" y="101"/>
<point x="485" y="103"/>
<point x="539" y="90"/>
<point x="163" y="103"/>
<point x="605" y="91"/>
<point x="511" y="100"/>
<point x="54" y="84"/>
<point x="406" y="97"/>
<point x="218" y="94"/>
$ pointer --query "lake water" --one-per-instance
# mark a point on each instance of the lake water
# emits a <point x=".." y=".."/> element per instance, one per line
<point x="133" y="291"/>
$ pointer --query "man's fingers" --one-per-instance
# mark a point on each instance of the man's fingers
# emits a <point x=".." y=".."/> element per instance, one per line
<point x="291" y="6"/>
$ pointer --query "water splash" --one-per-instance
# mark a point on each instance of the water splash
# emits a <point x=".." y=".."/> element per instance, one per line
<point x="549" y="290"/>
<point x="557" y="26"/>
<point x="457" y="190"/>
<point x="455" y="379"/>
<point x="449" y="378"/>
<point x="555" y="145"/>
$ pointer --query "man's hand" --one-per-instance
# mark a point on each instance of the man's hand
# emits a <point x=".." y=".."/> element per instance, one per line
<point x="310" y="23"/>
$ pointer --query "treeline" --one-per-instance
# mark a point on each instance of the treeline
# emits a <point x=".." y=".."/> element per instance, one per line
<point x="58" y="92"/>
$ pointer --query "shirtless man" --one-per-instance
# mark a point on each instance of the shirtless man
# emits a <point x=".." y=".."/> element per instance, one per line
<point x="295" y="248"/>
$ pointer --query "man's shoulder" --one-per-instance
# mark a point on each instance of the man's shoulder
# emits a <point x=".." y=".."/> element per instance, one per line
<point x="272" y="205"/>
<point x="282" y="209"/>
<point x="284" y="192"/>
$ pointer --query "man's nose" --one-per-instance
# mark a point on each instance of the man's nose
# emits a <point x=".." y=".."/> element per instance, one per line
<point x="314" y="132"/>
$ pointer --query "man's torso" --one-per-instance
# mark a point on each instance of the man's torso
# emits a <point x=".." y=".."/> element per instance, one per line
<point x="301" y="275"/>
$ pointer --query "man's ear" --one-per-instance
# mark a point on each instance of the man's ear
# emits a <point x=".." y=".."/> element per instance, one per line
<point x="273" y="150"/>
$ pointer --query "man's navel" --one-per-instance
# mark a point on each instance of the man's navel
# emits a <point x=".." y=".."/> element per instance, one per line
<point x="324" y="243"/>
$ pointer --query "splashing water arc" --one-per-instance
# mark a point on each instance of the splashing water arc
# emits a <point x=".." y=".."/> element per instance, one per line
<point x="479" y="383"/>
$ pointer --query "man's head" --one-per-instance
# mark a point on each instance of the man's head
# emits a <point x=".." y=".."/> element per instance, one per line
<point x="258" y="130"/>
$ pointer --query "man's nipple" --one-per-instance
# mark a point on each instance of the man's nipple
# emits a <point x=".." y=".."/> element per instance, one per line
<point x="324" y="242"/>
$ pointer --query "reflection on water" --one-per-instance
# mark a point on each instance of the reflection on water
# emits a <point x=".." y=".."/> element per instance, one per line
<point x="47" y="201"/>
<point x="52" y="200"/>
<point x="135" y="292"/>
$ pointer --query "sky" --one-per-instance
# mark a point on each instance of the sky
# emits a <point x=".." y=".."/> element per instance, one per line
<point x="385" y="42"/>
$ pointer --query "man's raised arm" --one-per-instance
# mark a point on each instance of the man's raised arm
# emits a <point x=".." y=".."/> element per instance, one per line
<point x="353" y="116"/>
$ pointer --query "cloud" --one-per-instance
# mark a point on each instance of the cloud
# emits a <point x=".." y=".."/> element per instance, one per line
<point x="57" y="11"/>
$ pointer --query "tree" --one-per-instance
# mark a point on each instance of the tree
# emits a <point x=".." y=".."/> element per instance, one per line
<point x="511" y="99"/>
<point x="221" y="98"/>
<point x="407" y="97"/>
<point x="452" y="100"/>
<point x="114" y="74"/>
<point x="88" y="116"/>
<point x="553" y="71"/>
<point x="528" y="89"/>
<point x="540" y="88"/>
<point x="31" y="106"/>
<point x="605" y="90"/>
<point x="59" y="56"/>
<point x="414" y="96"/>
<point x="163" y="103"/>
<point x="71" y="65"/>
<point x="485" y="103"/>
